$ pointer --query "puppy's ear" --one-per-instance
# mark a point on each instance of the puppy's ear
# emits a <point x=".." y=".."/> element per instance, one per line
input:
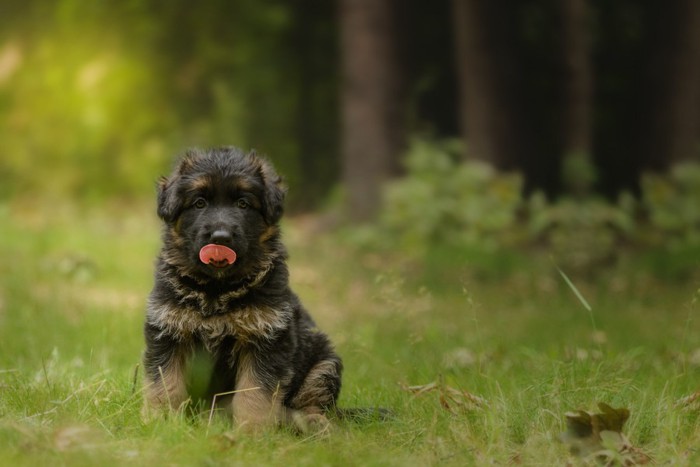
<point x="170" y="202"/>
<point x="169" y="206"/>
<point x="275" y="191"/>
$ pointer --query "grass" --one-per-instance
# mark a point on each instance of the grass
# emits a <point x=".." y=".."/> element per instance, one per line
<point x="72" y="292"/>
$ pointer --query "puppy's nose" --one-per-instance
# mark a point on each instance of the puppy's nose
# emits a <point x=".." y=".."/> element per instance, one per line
<point x="221" y="237"/>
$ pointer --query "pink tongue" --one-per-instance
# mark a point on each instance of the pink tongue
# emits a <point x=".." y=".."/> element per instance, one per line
<point x="217" y="255"/>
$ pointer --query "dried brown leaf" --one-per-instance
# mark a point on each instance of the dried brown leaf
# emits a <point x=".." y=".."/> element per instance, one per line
<point x="688" y="400"/>
<point x="443" y="402"/>
<point x="448" y="397"/>
<point x="600" y="435"/>
<point x="610" y="419"/>
<point x="468" y="396"/>
<point x="418" y="390"/>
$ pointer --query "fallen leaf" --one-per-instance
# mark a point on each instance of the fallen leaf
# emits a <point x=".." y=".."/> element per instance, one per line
<point x="599" y="435"/>
<point x="688" y="400"/>
<point x="580" y="436"/>
<point x="418" y="390"/>
<point x="448" y="397"/>
<point x="610" y="419"/>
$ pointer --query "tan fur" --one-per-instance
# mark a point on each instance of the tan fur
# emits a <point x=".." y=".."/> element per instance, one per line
<point x="310" y="422"/>
<point x="177" y="240"/>
<point x="200" y="183"/>
<point x="163" y="183"/>
<point x="254" y="408"/>
<point x="244" y="185"/>
<point x="187" y="161"/>
<point x="244" y="323"/>
<point x="313" y="393"/>
<point x="170" y="390"/>
<point x="203" y="183"/>
<point x="270" y="232"/>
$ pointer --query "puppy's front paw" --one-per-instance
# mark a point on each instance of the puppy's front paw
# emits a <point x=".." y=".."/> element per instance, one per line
<point x="150" y="414"/>
<point x="312" y="423"/>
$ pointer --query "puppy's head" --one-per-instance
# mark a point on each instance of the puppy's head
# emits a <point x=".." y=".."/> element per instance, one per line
<point x="221" y="209"/>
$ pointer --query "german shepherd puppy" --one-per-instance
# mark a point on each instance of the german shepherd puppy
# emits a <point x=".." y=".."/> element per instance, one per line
<point x="221" y="305"/>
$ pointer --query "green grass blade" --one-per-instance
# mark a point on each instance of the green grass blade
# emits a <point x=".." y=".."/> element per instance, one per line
<point x="575" y="290"/>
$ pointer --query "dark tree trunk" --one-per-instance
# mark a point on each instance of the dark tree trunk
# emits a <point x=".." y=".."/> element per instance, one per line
<point x="372" y="128"/>
<point x="578" y="175"/>
<point x="482" y="60"/>
<point x="315" y="128"/>
<point x="647" y="97"/>
<point x="675" y="73"/>
<point x="510" y="86"/>
<point x="577" y="121"/>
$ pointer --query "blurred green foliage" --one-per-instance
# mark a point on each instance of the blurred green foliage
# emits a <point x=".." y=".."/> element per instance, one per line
<point x="450" y="202"/>
<point x="73" y="119"/>
<point x="673" y="204"/>
<point x="671" y="227"/>
<point x="97" y="97"/>
<point x="581" y="234"/>
<point x="474" y="212"/>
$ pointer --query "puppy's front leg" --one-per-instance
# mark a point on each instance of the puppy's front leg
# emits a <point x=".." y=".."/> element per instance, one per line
<point x="254" y="406"/>
<point x="164" y="366"/>
<point x="316" y="395"/>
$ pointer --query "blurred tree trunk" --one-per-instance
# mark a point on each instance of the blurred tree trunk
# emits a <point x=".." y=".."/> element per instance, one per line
<point x="674" y="73"/>
<point x="315" y="121"/>
<point x="507" y="54"/>
<point x="482" y="58"/>
<point x="578" y="76"/>
<point x="647" y="97"/>
<point x="372" y="125"/>
<point x="579" y="174"/>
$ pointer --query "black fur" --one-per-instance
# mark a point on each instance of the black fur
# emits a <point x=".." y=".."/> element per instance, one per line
<point x="243" y="317"/>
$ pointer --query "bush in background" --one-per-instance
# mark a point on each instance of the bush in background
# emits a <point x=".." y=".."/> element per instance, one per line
<point x="468" y="212"/>
<point x="443" y="200"/>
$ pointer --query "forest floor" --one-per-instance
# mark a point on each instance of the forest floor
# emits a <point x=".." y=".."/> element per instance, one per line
<point x="476" y="372"/>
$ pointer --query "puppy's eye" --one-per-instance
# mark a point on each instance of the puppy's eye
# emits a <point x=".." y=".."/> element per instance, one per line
<point x="243" y="203"/>
<point x="200" y="203"/>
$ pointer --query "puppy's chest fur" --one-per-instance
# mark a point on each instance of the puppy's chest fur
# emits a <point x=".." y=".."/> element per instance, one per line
<point x="209" y="319"/>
